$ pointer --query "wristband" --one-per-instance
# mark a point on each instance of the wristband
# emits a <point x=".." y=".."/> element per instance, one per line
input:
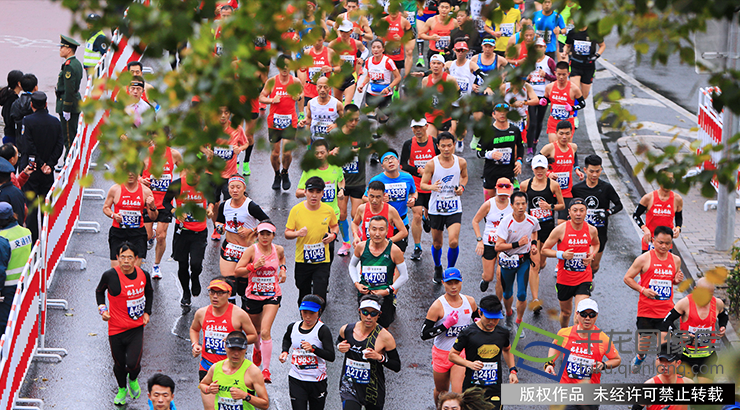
<point x="550" y="363"/>
<point x="514" y="245"/>
<point x="513" y="369"/>
<point x="577" y="168"/>
<point x="102" y="309"/>
<point x="193" y="344"/>
<point x="250" y="267"/>
<point x="534" y="242"/>
<point x="559" y="254"/>
<point x="641" y="290"/>
<point x="283" y="267"/>
<point x="248" y="398"/>
<point x="384" y="358"/>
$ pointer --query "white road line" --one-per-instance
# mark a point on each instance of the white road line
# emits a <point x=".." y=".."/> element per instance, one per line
<point x="626" y="77"/>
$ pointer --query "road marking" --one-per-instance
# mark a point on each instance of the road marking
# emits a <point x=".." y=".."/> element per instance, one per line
<point x="23" y="42"/>
<point x="668" y="103"/>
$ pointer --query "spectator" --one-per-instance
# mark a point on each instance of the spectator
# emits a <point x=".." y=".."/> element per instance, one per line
<point x="10" y="152"/>
<point x="10" y="193"/>
<point x="8" y="95"/>
<point x="22" y="106"/>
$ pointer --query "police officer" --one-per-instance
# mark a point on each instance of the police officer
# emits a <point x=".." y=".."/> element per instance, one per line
<point x="15" y="248"/>
<point x="96" y="45"/>
<point x="67" y="91"/>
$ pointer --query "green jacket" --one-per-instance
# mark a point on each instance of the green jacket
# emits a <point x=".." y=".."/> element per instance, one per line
<point x="68" y="86"/>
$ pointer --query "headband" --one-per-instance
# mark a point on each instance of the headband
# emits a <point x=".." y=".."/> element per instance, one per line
<point x="386" y="154"/>
<point x="238" y="178"/>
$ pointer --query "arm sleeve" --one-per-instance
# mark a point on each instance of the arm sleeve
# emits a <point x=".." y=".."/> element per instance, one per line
<point x="551" y="66"/>
<point x="616" y="200"/>
<point x="56" y="153"/>
<point x="353" y="273"/>
<point x="722" y="318"/>
<point x="679" y="218"/>
<point x="428" y="330"/>
<point x="286" y="338"/>
<point x="668" y="320"/>
<point x="327" y="351"/>
<point x="637" y="216"/>
<point x="393" y="361"/>
<point x="170" y="195"/>
<point x="405" y="156"/>
<point x="403" y="277"/>
<point x="575" y="160"/>
<point x="103" y="285"/>
<point x="519" y="145"/>
<point x="4" y="259"/>
<point x="148" y="294"/>
<point x="221" y="218"/>
<point x="255" y="211"/>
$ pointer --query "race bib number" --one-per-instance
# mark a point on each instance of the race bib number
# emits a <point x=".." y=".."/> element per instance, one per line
<point x="282" y="121"/>
<point x="421" y="163"/>
<point x="189" y="217"/>
<point x="559" y="112"/>
<point x="135" y="307"/>
<point x="563" y="179"/>
<point x="213" y="342"/>
<point x="464" y="85"/>
<point x="263" y="286"/>
<point x="569" y="27"/>
<point x="448" y="204"/>
<point x="442" y="43"/>
<point x="535" y="78"/>
<point x="227" y="403"/>
<point x="320" y="127"/>
<point x="304" y="360"/>
<point x="376" y="75"/>
<point x="233" y="252"/>
<point x="375" y="276"/>
<point x="595" y="217"/>
<point x="508" y="262"/>
<point x="454" y="331"/>
<point x="507" y="30"/>
<point x="130" y="219"/>
<point x="541" y="214"/>
<point x="411" y="17"/>
<point x="348" y="58"/>
<point x="396" y="191"/>
<point x="663" y="287"/>
<point x="224" y="152"/>
<point x="505" y="155"/>
<point x="697" y="330"/>
<point x="579" y="367"/>
<point x="486" y="376"/>
<point x="582" y="48"/>
<point x="161" y="184"/>
<point x="576" y="264"/>
<point x="352" y="167"/>
<point x="314" y="253"/>
<point x="314" y="73"/>
<point x="330" y="193"/>
<point x="479" y="24"/>
<point x="357" y="371"/>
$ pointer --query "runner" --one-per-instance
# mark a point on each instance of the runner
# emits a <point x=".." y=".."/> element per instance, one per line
<point x="583" y="49"/>
<point x="125" y="204"/>
<point x="367" y="348"/>
<point x="282" y="119"/>
<point x="580" y="242"/>
<point x="127" y="315"/>
<point x="264" y="266"/>
<point x="437" y="29"/>
<point x="446" y="175"/>
<point x="439" y="119"/>
<point x="493" y="212"/>
<point x="562" y="152"/>
<point x="383" y="76"/>
<point x="542" y="75"/>
<point x="548" y="24"/>
<point x="471" y="399"/>
<point x="466" y="73"/>
<point x="521" y="42"/>
<point x="502" y="147"/>
<point x="159" y="186"/>
<point x="415" y="154"/>
<point x="216" y="321"/>
<point x="309" y="345"/>
<point x="516" y="244"/>
<point x="545" y="198"/>
<point x="504" y="29"/>
<point x="376" y="205"/>
<point x="667" y="363"/>
<point x="598" y="195"/>
<point x="488" y="62"/>
<point x="398" y="38"/>
<point x="238" y="217"/>
<point x="332" y="175"/>
<point x="161" y="392"/>
<point x="380" y="259"/>
<point x="484" y="344"/>
<point x="565" y="99"/>
<point x="360" y="24"/>
<point x="354" y="175"/>
<point x="314" y="226"/>
<point x="700" y="358"/>
<point x="322" y="59"/>
<point x="664" y="208"/>
<point x="247" y="389"/>
<point x="322" y="111"/>
<point x="520" y="97"/>
<point x="347" y="49"/>
<point x="587" y="346"/>
<point x="446" y="318"/>
<point x="400" y="189"/>
<point x="659" y="270"/>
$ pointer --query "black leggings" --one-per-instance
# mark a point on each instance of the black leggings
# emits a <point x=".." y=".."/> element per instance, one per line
<point x="188" y="249"/>
<point x="126" y="349"/>
<point x="536" y="118"/>
<point x="305" y="395"/>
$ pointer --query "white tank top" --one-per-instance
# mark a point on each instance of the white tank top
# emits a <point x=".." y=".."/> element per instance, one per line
<point x="444" y="201"/>
<point x="493" y="218"/>
<point x="238" y="217"/>
<point x="463" y="76"/>
<point x="380" y="75"/>
<point x="538" y="82"/>
<point x="322" y="116"/>
<point x="304" y="365"/>
<point x="464" y="312"/>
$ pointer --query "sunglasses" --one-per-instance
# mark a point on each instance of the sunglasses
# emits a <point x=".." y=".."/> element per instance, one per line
<point x="591" y="315"/>
<point x="501" y="105"/>
<point x="460" y="50"/>
<point x="504" y="186"/>
<point x="366" y="312"/>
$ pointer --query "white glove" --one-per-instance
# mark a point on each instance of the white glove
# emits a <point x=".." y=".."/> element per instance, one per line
<point x="489" y="155"/>
<point x="66" y="115"/>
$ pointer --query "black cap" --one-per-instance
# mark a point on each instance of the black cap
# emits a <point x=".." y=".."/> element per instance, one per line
<point x="236" y="342"/>
<point x="39" y="96"/>
<point x="667" y="353"/>
<point x="315" y="183"/>
<point x="93" y="17"/>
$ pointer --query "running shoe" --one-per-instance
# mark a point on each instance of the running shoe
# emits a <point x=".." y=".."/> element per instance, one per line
<point x="636" y="363"/>
<point x="301" y="116"/>
<point x="529" y="156"/>
<point x="483" y="285"/>
<point x="426" y="224"/>
<point x="185" y="301"/>
<point x="156" y="273"/>
<point x="374" y="159"/>
<point x="120" y="398"/>
<point x="396" y="95"/>
<point x="459" y="146"/>
<point x="416" y="256"/>
<point x="344" y="250"/>
<point x="245" y="169"/>
<point x="196" y="288"/>
<point x="474" y="142"/>
<point x="437" y="275"/>
<point x="536" y="306"/>
<point x="286" y="180"/>
<point x="576" y="122"/>
<point x="267" y="376"/>
<point x="133" y="389"/>
<point x="257" y="356"/>
<point x="215" y="236"/>
<point x="517" y="328"/>
<point x="420" y="61"/>
<point x="276" y="182"/>
<point x="149" y="244"/>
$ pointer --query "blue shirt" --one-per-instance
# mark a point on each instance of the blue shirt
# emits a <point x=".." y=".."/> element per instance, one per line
<point x="398" y="190"/>
<point x="172" y="405"/>
<point x="543" y="26"/>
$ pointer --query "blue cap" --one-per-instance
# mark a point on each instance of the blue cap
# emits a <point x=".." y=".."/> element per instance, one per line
<point x="6" y="166"/>
<point x="308" y="305"/>
<point x="452" y="274"/>
<point x="6" y="211"/>
<point x="489" y="40"/>
<point x="491" y="315"/>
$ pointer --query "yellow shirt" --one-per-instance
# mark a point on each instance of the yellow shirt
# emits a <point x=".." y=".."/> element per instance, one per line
<point x="507" y="25"/>
<point x="309" y="248"/>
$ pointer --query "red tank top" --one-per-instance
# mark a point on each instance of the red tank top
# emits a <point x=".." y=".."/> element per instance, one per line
<point x="559" y="97"/>
<point x="419" y="158"/>
<point x="349" y="51"/>
<point x="264" y="283"/>
<point x="435" y="100"/>
<point x="694" y="323"/>
<point x="395" y="35"/>
<point x="583" y="355"/>
<point x="369" y="214"/>
<point x="159" y="185"/>
<point x="188" y="194"/>
<point x="574" y="272"/>
<point x="661" y="213"/>
<point x="127" y="308"/>
<point x="130" y="206"/>
<point x="319" y="60"/>
<point x="563" y="168"/>
<point x="215" y="329"/>
<point x="443" y="31"/>
<point x="657" y="380"/>
<point x="659" y="277"/>
<point x="282" y="115"/>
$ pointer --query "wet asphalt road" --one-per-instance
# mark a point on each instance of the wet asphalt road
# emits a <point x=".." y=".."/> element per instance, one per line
<point x="84" y="379"/>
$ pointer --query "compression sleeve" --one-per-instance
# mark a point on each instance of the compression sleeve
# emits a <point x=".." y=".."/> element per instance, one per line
<point x="220" y="216"/>
<point x="668" y="321"/>
<point x="105" y="284"/>
<point x="405" y="156"/>
<point x="429" y="331"/>
<point x="723" y="318"/>
<point x="519" y="144"/>
<point x="575" y="160"/>
<point x="637" y="216"/>
<point x="580" y="103"/>
<point x="287" y="342"/>
<point x="393" y="361"/>
<point x="679" y="218"/>
<point x="353" y="273"/>
<point x="327" y="351"/>
<point x="615" y="199"/>
<point x="170" y="195"/>
<point x="551" y="65"/>
<point x="148" y="294"/>
<point x="403" y="277"/>
<point x="257" y="212"/>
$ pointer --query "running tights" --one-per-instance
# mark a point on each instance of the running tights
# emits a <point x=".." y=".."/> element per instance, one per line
<point x="126" y="349"/>
<point x="536" y="117"/>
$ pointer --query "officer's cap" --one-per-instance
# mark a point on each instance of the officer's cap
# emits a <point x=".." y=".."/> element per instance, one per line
<point x="39" y="96"/>
<point x="6" y="211"/>
<point x="68" y="41"/>
<point x="92" y="17"/>
<point x="5" y="166"/>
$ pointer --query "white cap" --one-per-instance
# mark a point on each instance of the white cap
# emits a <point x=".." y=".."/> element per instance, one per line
<point x="368" y="303"/>
<point x="419" y="123"/>
<point x="346" y="26"/>
<point x="437" y="57"/>
<point x="587" y="304"/>
<point x="539" y="41"/>
<point x="539" y="160"/>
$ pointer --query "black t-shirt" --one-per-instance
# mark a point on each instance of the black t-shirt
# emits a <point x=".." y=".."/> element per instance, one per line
<point x="509" y="142"/>
<point x="486" y="347"/>
<point x="598" y="198"/>
<point x="583" y="45"/>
